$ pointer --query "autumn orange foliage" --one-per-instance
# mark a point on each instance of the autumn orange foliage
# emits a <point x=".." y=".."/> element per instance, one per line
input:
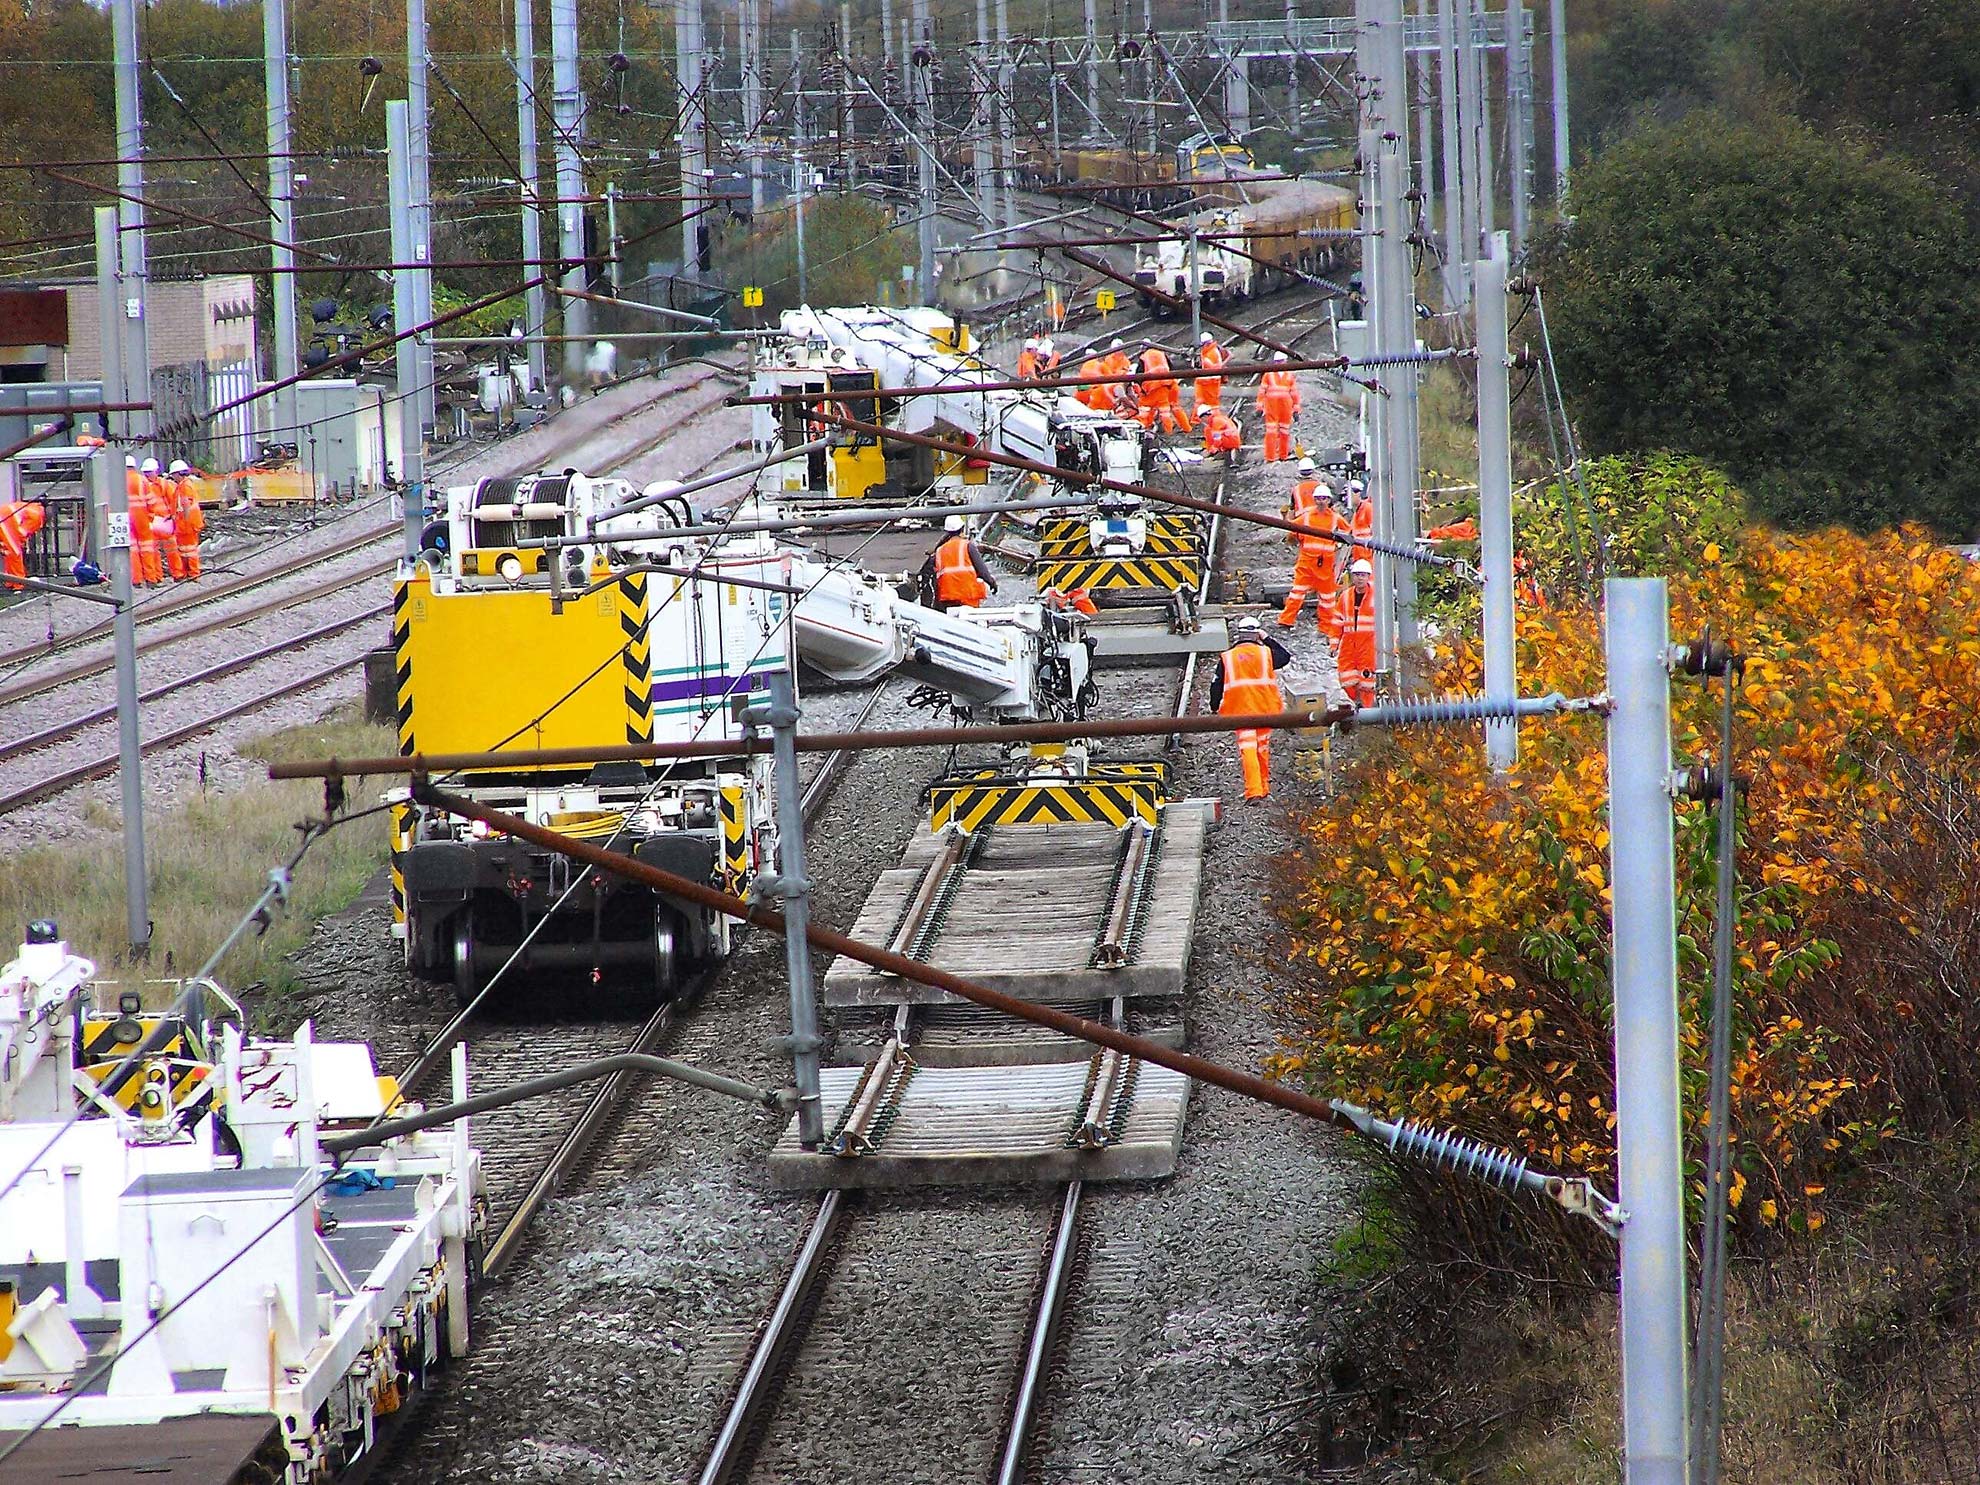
<point x="1450" y="931"/>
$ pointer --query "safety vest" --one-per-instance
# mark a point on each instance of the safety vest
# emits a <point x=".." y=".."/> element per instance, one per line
<point x="1027" y="366"/>
<point x="159" y="499"/>
<point x="1210" y="388"/>
<point x="956" y="578"/>
<point x="192" y="520"/>
<point x="1364" y="525"/>
<point x="1308" y="511"/>
<point x="139" y="506"/>
<point x="1100" y="398"/>
<point x="1251" y="681"/>
<point x="1220" y="434"/>
<point x="1357" y="612"/>
<point x="19" y="519"/>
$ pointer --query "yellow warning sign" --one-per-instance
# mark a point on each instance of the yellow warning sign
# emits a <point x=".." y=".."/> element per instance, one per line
<point x="1103" y="300"/>
<point x="752" y="297"/>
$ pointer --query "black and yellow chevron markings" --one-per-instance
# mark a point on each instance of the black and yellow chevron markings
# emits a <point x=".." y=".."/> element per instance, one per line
<point x="101" y="1041"/>
<point x="735" y="839"/>
<point x="970" y="806"/>
<point x="401" y="838"/>
<point x="188" y="1083"/>
<point x="402" y="661"/>
<point x="638" y="658"/>
<point x="1171" y="559"/>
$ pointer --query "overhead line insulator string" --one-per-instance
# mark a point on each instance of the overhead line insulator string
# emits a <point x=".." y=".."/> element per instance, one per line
<point x="1430" y="711"/>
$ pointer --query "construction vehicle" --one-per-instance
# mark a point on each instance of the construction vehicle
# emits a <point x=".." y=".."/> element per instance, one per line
<point x="837" y="353"/>
<point x="180" y="1263"/>
<point x="563" y="611"/>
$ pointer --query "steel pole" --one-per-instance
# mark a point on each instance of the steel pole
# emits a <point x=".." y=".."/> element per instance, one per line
<point x="793" y="885"/>
<point x="281" y="202"/>
<point x="536" y="306"/>
<point x="1495" y="500"/>
<point x="981" y="122"/>
<point x="1519" y="121"/>
<point x="924" y="119"/>
<point x="1455" y="257"/>
<point x="798" y="184"/>
<point x="109" y="319"/>
<point x="1557" y="55"/>
<point x="133" y="268"/>
<point x="1649" y="1153"/>
<point x="691" y="132"/>
<point x="1481" y="66"/>
<point x="1292" y="71"/>
<point x="567" y="110"/>
<point x="1005" y="117"/>
<point x="1397" y="286"/>
<point x="419" y="180"/>
<point x="752" y="100"/>
<point x="412" y="450"/>
<point x="1092" y="62"/>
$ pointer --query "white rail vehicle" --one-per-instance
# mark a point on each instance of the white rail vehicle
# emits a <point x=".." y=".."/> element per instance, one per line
<point x="878" y="346"/>
<point x="182" y="1226"/>
<point x="1285" y="229"/>
<point x="661" y="625"/>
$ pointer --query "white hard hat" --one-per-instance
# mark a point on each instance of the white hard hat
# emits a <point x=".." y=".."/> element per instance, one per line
<point x="130" y="461"/>
<point x="1206" y="338"/>
<point x="1306" y="466"/>
<point x="150" y="466"/>
<point x="1115" y="346"/>
<point x="1045" y="344"/>
<point x="1355" y="487"/>
<point x="1278" y="355"/>
<point x="1031" y="342"/>
<point x="179" y="466"/>
<point x="1248" y="624"/>
<point x="953" y="523"/>
<point x="1362" y="567"/>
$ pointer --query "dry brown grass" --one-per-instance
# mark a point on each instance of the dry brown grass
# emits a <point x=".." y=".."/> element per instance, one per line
<point x="210" y="859"/>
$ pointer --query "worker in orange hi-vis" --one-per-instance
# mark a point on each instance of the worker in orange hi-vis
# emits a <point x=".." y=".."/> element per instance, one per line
<point x="1079" y="600"/>
<point x="962" y="578"/>
<point x="1220" y="433"/>
<point x="1027" y="362"/>
<point x="1209" y="389"/>
<point x="1312" y="506"/>
<point x="163" y="500"/>
<point x="1099" y="397"/>
<point x="144" y="547"/>
<point x="1278" y="403"/>
<point x="1465" y="530"/>
<point x="1162" y="394"/>
<point x="189" y="519"/>
<point x="1355" y="611"/>
<point x="1362" y="525"/>
<point x="19" y="520"/>
<point x="1048" y="357"/>
<point x="1247" y="685"/>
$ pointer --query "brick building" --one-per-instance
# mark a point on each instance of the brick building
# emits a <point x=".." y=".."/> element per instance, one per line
<point x="205" y="322"/>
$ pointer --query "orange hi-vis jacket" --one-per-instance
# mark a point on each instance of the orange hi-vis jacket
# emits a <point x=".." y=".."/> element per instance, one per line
<point x="1161" y="390"/>
<point x="1210" y="389"/>
<point x="1251" y="681"/>
<point x="1027" y="364"/>
<point x="1220" y="433"/>
<point x="1099" y="398"/>
<point x="19" y="520"/>
<point x="1363" y="525"/>
<point x="1280" y="387"/>
<point x="137" y="499"/>
<point x="956" y="578"/>
<point x="1308" y="511"/>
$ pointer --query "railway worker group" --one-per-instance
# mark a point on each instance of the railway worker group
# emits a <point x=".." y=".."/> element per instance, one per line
<point x="1157" y="398"/>
<point x="166" y="521"/>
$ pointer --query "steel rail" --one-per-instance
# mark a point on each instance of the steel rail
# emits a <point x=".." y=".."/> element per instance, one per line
<point x="185" y="599"/>
<point x="1044" y="1335"/>
<point x="231" y="666"/>
<point x="84" y="670"/>
<point x="600" y="1109"/>
<point x="98" y="768"/>
<point x="757" y="1389"/>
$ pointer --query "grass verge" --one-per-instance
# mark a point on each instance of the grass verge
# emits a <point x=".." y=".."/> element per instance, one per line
<point x="209" y="860"/>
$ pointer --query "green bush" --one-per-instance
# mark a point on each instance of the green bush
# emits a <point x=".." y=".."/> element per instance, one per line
<point x="1797" y="311"/>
